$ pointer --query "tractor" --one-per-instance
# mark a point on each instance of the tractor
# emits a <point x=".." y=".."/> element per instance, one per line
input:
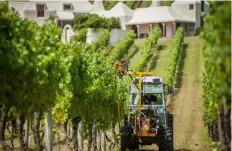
<point x="148" y="121"/>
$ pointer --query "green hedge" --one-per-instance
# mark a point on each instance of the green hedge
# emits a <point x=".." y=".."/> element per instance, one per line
<point x="81" y="36"/>
<point x="81" y="21"/>
<point x="102" y="41"/>
<point x="176" y="48"/>
<point x="146" y="49"/>
<point x="124" y="45"/>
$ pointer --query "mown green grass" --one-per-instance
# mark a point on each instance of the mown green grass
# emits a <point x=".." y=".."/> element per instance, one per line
<point x="164" y="53"/>
<point x="134" y="61"/>
<point x="162" y="56"/>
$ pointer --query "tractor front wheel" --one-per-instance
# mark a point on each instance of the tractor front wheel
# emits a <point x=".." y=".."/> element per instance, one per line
<point x="128" y="141"/>
<point x="167" y="142"/>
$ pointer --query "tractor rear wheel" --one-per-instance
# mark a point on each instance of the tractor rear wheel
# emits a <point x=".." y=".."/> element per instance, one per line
<point x="167" y="142"/>
<point x="170" y="125"/>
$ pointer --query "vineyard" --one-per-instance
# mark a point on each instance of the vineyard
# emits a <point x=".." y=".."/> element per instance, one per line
<point x="75" y="84"/>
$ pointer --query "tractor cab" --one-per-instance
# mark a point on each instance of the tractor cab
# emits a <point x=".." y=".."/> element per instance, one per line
<point x="152" y="99"/>
<point x="152" y="92"/>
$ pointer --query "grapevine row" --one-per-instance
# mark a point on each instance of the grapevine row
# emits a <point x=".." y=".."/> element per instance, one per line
<point x="146" y="49"/>
<point x="81" y="37"/>
<point x="217" y="73"/>
<point x="176" y="48"/>
<point x="102" y="41"/>
<point x="123" y="46"/>
<point x="40" y="73"/>
<point x="94" y="89"/>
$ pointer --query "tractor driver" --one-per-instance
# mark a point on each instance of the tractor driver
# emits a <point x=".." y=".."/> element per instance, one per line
<point x="150" y="98"/>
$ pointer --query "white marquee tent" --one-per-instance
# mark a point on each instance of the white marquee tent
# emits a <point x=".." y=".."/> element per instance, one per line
<point x="97" y="7"/>
<point x="121" y="11"/>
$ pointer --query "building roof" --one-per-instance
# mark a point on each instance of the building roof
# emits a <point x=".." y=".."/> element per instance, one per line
<point x="119" y="10"/>
<point x="157" y="15"/>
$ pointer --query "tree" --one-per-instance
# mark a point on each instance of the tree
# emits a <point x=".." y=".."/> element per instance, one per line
<point x="94" y="21"/>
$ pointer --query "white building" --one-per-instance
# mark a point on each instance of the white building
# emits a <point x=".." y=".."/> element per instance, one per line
<point x="39" y="10"/>
<point x="187" y="14"/>
<point x="120" y="11"/>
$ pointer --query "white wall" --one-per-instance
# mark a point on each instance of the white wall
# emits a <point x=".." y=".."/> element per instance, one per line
<point x="206" y="8"/>
<point x="124" y="20"/>
<point x="32" y="15"/>
<point x="144" y="28"/>
<point x="92" y="36"/>
<point x="198" y="15"/>
<point x="184" y="8"/>
<point x="169" y="30"/>
<point x="19" y="7"/>
<point x="115" y="35"/>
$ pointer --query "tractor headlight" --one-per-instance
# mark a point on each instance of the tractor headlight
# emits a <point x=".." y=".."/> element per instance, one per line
<point x="157" y="121"/>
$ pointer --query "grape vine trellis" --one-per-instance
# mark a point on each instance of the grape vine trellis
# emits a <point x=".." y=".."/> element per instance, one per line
<point x="147" y="48"/>
<point x="38" y="72"/>
<point x="32" y="68"/>
<point x="217" y="71"/>
<point x="176" y="48"/>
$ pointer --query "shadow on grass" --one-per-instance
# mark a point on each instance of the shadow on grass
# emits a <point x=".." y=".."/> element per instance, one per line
<point x="179" y="77"/>
<point x="161" y="47"/>
<point x="131" y="55"/>
<point x="156" y="57"/>
<point x="108" y="51"/>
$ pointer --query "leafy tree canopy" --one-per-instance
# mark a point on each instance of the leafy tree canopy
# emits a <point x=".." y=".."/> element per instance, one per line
<point x="81" y="21"/>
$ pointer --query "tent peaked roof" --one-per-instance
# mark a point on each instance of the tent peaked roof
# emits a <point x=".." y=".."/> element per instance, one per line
<point x="155" y="3"/>
<point x="97" y="6"/>
<point x="160" y="14"/>
<point x="121" y="9"/>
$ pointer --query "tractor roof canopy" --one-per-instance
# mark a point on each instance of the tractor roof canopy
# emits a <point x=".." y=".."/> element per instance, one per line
<point x="150" y="84"/>
<point x="149" y="79"/>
